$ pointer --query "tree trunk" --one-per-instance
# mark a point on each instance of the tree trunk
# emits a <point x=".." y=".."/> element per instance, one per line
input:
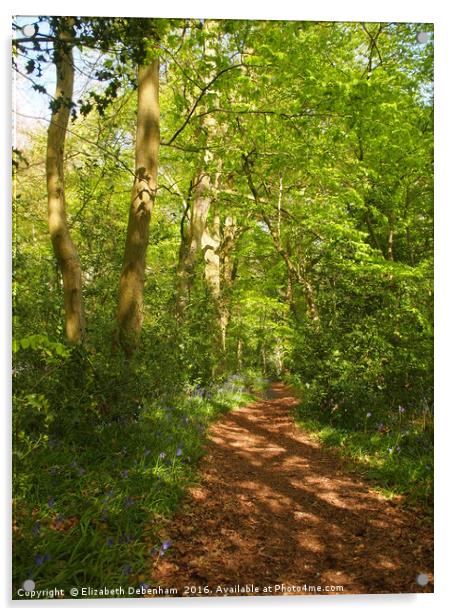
<point x="63" y="247"/>
<point x="191" y="243"/>
<point x="298" y="272"/>
<point x="203" y="184"/>
<point x="130" y="305"/>
<point x="227" y="275"/>
<point x="210" y="243"/>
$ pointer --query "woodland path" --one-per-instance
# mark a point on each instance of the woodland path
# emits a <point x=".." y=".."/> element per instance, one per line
<point x="274" y="507"/>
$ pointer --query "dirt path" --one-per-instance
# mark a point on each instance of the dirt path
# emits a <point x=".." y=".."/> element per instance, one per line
<point x="273" y="507"/>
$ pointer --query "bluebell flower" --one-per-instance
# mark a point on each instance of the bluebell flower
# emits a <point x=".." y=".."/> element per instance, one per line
<point x="126" y="570"/>
<point x="179" y="451"/>
<point x="143" y="587"/>
<point x="40" y="559"/>
<point x="110" y="542"/>
<point x="128" y="502"/>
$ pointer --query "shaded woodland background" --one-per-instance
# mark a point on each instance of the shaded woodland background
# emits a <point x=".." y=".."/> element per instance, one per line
<point x="280" y="227"/>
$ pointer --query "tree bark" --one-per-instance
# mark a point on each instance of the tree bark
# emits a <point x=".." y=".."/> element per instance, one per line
<point x="63" y="246"/>
<point x="227" y="276"/>
<point x="191" y="242"/>
<point x="210" y="242"/>
<point x="131" y="285"/>
<point x="197" y="238"/>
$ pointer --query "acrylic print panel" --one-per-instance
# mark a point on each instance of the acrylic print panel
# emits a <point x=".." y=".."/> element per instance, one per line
<point x="223" y="308"/>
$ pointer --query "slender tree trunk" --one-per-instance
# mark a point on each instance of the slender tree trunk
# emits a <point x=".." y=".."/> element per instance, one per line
<point x="210" y="242"/>
<point x="390" y="255"/>
<point x="227" y="276"/>
<point x="297" y="271"/>
<point x="130" y="305"/>
<point x="63" y="246"/>
<point x="239" y="354"/>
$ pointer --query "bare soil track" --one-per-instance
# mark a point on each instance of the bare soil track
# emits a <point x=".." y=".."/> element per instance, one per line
<point x="274" y="507"/>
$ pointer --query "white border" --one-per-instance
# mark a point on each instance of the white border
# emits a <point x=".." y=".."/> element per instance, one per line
<point x="436" y="11"/>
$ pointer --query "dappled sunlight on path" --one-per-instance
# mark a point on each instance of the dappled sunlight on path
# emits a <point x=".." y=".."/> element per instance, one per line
<point x="274" y="507"/>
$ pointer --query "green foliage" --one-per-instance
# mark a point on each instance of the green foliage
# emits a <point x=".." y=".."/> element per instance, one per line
<point x="397" y="456"/>
<point x="93" y="485"/>
<point x="323" y="152"/>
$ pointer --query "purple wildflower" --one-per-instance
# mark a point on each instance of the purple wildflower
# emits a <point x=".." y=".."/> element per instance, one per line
<point x="126" y="570"/>
<point x="179" y="451"/>
<point x="128" y="502"/>
<point x="110" y="542"/>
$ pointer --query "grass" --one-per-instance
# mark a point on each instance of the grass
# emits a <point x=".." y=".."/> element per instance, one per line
<point x="90" y="504"/>
<point x="397" y="458"/>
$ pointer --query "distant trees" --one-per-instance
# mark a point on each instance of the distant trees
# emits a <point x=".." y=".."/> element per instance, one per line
<point x="293" y="171"/>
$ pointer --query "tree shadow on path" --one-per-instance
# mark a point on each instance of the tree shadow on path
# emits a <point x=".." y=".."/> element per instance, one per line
<point x="273" y="507"/>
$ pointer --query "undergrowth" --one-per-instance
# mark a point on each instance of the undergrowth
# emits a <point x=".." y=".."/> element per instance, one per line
<point x="397" y="455"/>
<point x="91" y="495"/>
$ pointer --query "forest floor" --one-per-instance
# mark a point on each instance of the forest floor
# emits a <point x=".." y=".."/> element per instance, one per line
<point x="273" y="507"/>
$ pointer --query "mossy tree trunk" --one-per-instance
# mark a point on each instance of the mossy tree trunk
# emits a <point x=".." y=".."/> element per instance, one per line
<point x="131" y="285"/>
<point x="63" y="246"/>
